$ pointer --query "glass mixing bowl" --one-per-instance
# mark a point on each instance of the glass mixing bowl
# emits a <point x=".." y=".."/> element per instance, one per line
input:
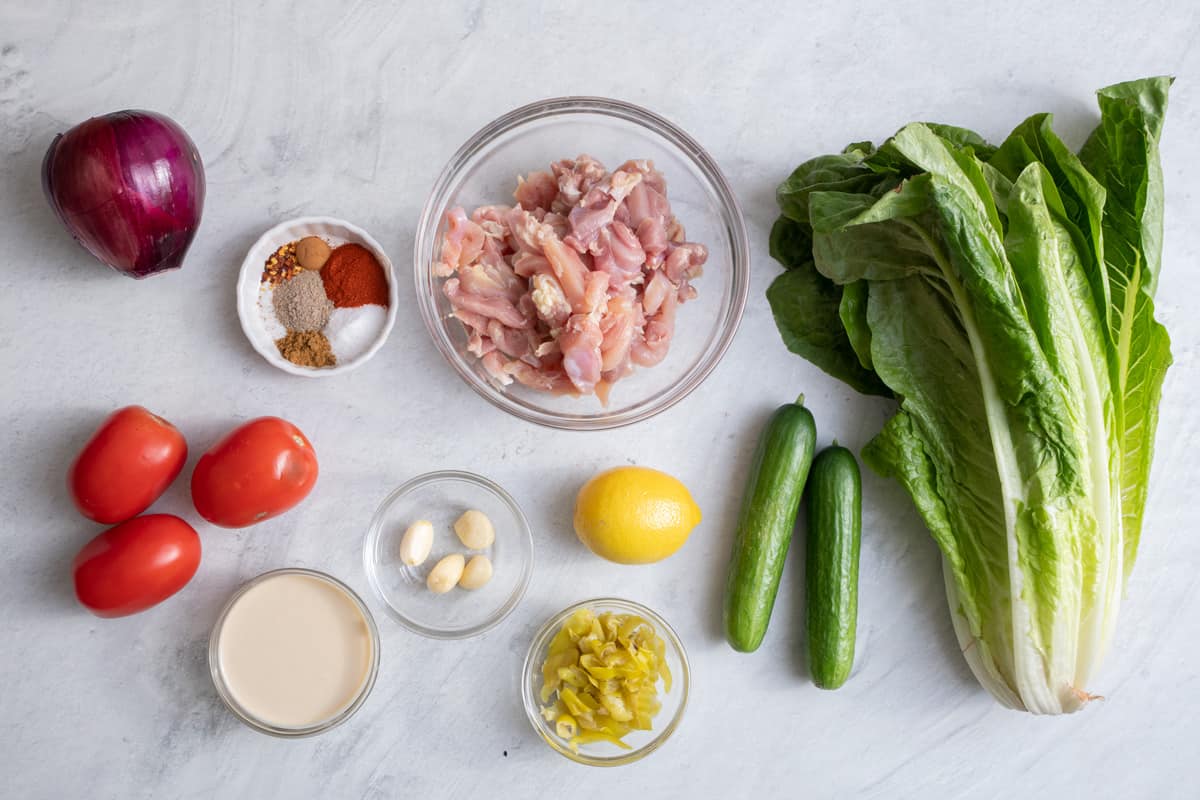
<point x="642" y="743"/>
<point x="484" y="171"/>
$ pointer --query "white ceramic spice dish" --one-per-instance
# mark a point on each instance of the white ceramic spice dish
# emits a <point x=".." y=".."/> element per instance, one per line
<point x="253" y="299"/>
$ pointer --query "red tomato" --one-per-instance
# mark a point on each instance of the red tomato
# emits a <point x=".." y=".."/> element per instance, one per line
<point x="129" y="461"/>
<point x="135" y="565"/>
<point x="258" y="471"/>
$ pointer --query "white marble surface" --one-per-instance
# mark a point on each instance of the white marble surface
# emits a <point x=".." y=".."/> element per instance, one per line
<point x="317" y="108"/>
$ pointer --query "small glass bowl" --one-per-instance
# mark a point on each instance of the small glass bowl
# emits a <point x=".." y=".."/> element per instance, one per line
<point x="606" y="754"/>
<point x="441" y="497"/>
<point x="484" y="171"/>
<point x="244" y="714"/>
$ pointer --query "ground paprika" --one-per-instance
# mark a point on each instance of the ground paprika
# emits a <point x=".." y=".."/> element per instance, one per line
<point x="354" y="277"/>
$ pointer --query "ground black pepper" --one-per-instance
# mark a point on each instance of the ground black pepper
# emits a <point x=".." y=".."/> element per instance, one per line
<point x="301" y="304"/>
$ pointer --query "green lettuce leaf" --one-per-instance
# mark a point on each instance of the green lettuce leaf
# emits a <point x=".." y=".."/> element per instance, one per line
<point x="806" y="306"/>
<point x="1123" y="155"/>
<point x="842" y="172"/>
<point x="852" y="311"/>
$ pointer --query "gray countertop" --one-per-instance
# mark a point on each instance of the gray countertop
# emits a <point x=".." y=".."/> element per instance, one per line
<point x="351" y="110"/>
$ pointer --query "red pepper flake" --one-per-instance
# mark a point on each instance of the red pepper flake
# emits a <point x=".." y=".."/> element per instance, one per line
<point x="281" y="265"/>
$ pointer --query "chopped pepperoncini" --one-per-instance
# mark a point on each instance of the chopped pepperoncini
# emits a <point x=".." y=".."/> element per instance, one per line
<point x="600" y="677"/>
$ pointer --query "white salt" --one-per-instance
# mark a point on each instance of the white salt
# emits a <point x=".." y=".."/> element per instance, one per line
<point x="352" y="331"/>
<point x="271" y="323"/>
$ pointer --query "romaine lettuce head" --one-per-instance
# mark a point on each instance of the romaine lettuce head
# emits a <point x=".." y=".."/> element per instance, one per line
<point x="1004" y="296"/>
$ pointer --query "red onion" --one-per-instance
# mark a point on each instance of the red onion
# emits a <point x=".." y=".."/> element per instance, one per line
<point x="129" y="186"/>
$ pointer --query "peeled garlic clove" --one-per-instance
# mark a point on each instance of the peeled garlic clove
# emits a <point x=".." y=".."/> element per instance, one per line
<point x="477" y="572"/>
<point x="475" y="530"/>
<point x="417" y="542"/>
<point x="445" y="573"/>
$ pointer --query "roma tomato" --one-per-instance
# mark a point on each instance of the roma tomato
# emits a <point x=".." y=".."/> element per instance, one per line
<point x="258" y="471"/>
<point x="129" y="461"/>
<point x="135" y="565"/>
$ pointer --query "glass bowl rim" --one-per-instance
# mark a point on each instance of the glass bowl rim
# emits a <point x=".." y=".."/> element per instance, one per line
<point x="244" y="714"/>
<point x="541" y="640"/>
<point x="733" y="220"/>
<point x="376" y="525"/>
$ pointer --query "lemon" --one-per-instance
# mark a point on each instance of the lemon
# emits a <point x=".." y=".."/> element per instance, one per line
<point x="634" y="515"/>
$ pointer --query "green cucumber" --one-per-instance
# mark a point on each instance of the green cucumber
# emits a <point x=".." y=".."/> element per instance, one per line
<point x="834" y="505"/>
<point x="768" y="516"/>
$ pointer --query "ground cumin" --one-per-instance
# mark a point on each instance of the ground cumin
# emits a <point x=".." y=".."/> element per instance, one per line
<point x="307" y="349"/>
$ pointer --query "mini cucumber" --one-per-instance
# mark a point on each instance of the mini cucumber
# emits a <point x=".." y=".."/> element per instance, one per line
<point x="768" y="515"/>
<point x="834" y="515"/>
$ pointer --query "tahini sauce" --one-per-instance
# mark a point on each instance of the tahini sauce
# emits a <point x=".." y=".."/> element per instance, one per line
<point x="295" y="650"/>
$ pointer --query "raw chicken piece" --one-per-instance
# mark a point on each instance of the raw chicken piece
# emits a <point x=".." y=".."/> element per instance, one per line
<point x="645" y="202"/>
<point x="610" y="377"/>
<point x="526" y="306"/>
<point x="536" y="191"/>
<point x="580" y="342"/>
<point x="617" y="327"/>
<point x="653" y="178"/>
<point x="471" y="320"/>
<point x="479" y="345"/>
<point x="491" y="280"/>
<point x="527" y="230"/>
<point x="618" y="252"/>
<point x="476" y="324"/>
<point x="558" y="223"/>
<point x="603" y="391"/>
<point x="551" y="303"/>
<point x="549" y="352"/>
<point x="592" y="215"/>
<point x="595" y="292"/>
<point x="493" y="250"/>
<point x="495" y="364"/>
<point x="568" y="268"/>
<point x="653" y="347"/>
<point x="622" y="370"/>
<point x="486" y="214"/>
<point x="528" y="264"/>
<point x="652" y="236"/>
<point x="569" y="289"/>
<point x="621" y="183"/>
<point x="675" y="232"/>
<point x="575" y="178"/>
<point x="512" y="342"/>
<point x="554" y="381"/>
<point x="685" y="261"/>
<point x="657" y="289"/>
<point x="595" y="212"/>
<point x="498" y="308"/>
<point x="491" y="219"/>
<point x="461" y="244"/>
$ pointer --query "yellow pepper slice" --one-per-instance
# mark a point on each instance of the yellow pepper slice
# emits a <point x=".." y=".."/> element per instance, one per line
<point x="586" y="737"/>
<point x="565" y="727"/>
